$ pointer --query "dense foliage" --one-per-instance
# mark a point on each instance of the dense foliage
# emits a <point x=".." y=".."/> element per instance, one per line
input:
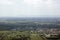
<point x="17" y="35"/>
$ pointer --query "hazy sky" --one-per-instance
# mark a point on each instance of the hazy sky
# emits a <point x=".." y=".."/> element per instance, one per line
<point x="29" y="8"/>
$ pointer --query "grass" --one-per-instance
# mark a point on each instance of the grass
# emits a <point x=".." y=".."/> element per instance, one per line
<point x="35" y="37"/>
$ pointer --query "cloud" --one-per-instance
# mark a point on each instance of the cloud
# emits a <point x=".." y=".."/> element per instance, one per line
<point x="6" y="2"/>
<point x="44" y="7"/>
<point x="30" y="8"/>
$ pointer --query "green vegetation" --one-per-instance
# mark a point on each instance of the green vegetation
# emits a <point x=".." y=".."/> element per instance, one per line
<point x="21" y="28"/>
<point x="35" y="37"/>
<point x="22" y="35"/>
<point x="19" y="35"/>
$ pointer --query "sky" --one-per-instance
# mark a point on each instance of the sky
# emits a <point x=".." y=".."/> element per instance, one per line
<point x="29" y="8"/>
